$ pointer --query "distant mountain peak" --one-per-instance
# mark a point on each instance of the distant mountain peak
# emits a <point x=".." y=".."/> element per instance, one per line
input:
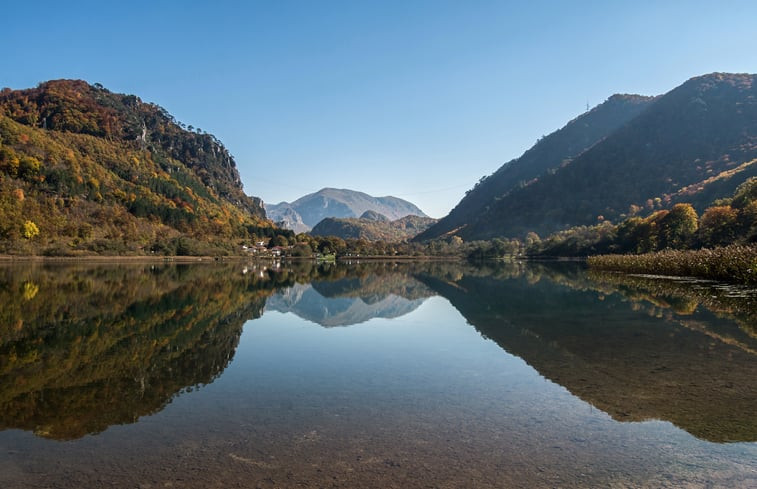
<point x="307" y="211"/>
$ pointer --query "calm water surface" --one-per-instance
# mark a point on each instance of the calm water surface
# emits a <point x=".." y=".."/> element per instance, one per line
<point x="379" y="375"/>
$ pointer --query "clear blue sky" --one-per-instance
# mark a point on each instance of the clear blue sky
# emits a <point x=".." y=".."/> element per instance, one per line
<point x="417" y="99"/>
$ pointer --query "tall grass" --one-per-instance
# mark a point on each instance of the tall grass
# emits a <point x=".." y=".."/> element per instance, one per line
<point x="735" y="263"/>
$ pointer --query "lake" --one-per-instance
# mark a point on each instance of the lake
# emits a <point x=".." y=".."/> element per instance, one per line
<point x="428" y="375"/>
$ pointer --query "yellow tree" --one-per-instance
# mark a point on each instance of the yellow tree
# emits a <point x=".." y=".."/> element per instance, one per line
<point x="30" y="230"/>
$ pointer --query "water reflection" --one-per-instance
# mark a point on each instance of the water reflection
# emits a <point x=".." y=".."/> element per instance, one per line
<point x="354" y="300"/>
<point x="637" y="348"/>
<point x="86" y="347"/>
<point x="83" y="348"/>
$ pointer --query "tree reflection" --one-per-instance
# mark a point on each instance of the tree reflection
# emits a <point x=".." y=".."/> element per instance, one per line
<point x="636" y="348"/>
<point x="87" y="347"/>
<point x="84" y="347"/>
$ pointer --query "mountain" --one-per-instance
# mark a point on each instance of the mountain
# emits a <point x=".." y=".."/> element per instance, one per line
<point x="374" y="216"/>
<point x="549" y="153"/>
<point x="96" y="171"/>
<point x="286" y="217"/>
<point x="307" y="211"/>
<point x="694" y="144"/>
<point x="373" y="227"/>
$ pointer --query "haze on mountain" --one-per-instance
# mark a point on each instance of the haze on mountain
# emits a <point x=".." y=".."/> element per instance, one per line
<point x="630" y="155"/>
<point x="307" y="211"/>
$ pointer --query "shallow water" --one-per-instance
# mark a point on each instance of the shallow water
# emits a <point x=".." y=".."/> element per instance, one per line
<point x="380" y="375"/>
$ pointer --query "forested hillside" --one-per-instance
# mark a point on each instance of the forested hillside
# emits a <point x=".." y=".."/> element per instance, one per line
<point x="372" y="226"/>
<point x="85" y="170"/>
<point x="548" y="154"/>
<point x="731" y="220"/>
<point x="695" y="144"/>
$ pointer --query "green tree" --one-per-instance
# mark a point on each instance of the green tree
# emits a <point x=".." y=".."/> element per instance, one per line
<point x="278" y="240"/>
<point x="28" y="167"/>
<point x="678" y="227"/>
<point x="745" y="194"/>
<point x="302" y="250"/>
<point x="532" y="239"/>
<point x="748" y="222"/>
<point x="651" y="233"/>
<point x="9" y="162"/>
<point x="718" y="226"/>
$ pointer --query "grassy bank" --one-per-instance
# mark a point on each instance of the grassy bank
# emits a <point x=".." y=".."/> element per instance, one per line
<point x="736" y="263"/>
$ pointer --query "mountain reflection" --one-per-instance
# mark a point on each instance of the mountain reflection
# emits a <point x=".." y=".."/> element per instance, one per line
<point x="86" y="347"/>
<point x="636" y="348"/>
<point x="353" y="300"/>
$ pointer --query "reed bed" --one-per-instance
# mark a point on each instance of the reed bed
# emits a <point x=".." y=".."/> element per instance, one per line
<point x="735" y="263"/>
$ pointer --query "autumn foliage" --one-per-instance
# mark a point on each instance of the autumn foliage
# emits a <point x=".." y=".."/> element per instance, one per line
<point x="99" y="172"/>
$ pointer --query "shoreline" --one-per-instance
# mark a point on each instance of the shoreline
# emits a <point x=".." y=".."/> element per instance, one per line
<point x="4" y="259"/>
<point x="8" y="259"/>
<point x="398" y="258"/>
<point x="731" y="264"/>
